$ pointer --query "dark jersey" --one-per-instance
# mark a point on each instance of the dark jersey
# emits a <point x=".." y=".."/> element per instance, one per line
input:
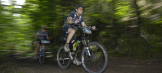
<point x="75" y="19"/>
<point x="42" y="35"/>
<point x="74" y="15"/>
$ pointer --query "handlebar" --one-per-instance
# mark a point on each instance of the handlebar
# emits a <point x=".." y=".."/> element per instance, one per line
<point x="45" y="41"/>
<point x="89" y="27"/>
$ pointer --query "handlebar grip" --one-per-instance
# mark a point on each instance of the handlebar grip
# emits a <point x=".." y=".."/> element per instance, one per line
<point x="92" y="28"/>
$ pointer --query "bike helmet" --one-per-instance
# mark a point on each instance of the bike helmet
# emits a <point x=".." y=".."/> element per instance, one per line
<point x="43" y="27"/>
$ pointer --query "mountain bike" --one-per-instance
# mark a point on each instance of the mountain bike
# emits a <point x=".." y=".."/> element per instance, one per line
<point x="94" y="56"/>
<point x="42" y="50"/>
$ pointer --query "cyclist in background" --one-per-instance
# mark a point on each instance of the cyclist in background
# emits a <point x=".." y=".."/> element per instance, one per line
<point x="40" y="35"/>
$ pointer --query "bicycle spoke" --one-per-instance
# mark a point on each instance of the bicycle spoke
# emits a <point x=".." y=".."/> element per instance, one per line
<point x="63" y="62"/>
<point x="93" y="66"/>
<point x="63" y="59"/>
<point x="98" y="66"/>
<point x="93" y="63"/>
<point x="97" y="61"/>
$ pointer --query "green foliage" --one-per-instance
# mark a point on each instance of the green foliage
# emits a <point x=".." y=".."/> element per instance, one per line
<point x="113" y="53"/>
<point x="111" y="17"/>
<point x="53" y="49"/>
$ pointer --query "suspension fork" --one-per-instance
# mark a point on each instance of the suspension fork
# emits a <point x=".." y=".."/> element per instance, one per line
<point x="42" y="50"/>
<point x="85" y="43"/>
<point x="87" y="52"/>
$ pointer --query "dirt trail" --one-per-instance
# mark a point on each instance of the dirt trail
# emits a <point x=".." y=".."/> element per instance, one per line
<point x="116" y="65"/>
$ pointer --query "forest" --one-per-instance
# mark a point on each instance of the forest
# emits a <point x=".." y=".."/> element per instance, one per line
<point x="126" y="28"/>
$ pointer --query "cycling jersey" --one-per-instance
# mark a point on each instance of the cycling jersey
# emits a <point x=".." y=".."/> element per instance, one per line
<point x="42" y="35"/>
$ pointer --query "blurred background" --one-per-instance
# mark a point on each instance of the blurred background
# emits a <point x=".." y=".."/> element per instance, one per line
<point x="127" y="28"/>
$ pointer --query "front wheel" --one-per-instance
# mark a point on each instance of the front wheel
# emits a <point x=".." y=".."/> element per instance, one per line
<point x="63" y="58"/>
<point x="42" y="56"/>
<point x="41" y="59"/>
<point x="97" y="61"/>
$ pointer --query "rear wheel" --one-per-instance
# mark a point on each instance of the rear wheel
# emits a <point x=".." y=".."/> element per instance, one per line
<point x="98" y="61"/>
<point x="41" y="59"/>
<point x="63" y="58"/>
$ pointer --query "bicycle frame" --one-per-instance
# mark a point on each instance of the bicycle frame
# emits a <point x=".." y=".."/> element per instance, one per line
<point x="82" y="37"/>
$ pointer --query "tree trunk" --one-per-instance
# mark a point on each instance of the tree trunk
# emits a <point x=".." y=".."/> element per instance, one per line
<point x="137" y="11"/>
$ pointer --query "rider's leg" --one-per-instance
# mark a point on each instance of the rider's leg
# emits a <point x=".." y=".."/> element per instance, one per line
<point x="75" y="61"/>
<point x="71" y="33"/>
<point x="72" y="42"/>
<point x="37" y="48"/>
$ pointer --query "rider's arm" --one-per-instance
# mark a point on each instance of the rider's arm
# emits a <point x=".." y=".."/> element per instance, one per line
<point x="47" y="37"/>
<point x="83" y="24"/>
<point x="37" y="35"/>
<point x="70" y="20"/>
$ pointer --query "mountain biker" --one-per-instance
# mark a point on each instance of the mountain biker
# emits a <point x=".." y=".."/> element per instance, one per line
<point x="69" y="28"/>
<point x="40" y="35"/>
